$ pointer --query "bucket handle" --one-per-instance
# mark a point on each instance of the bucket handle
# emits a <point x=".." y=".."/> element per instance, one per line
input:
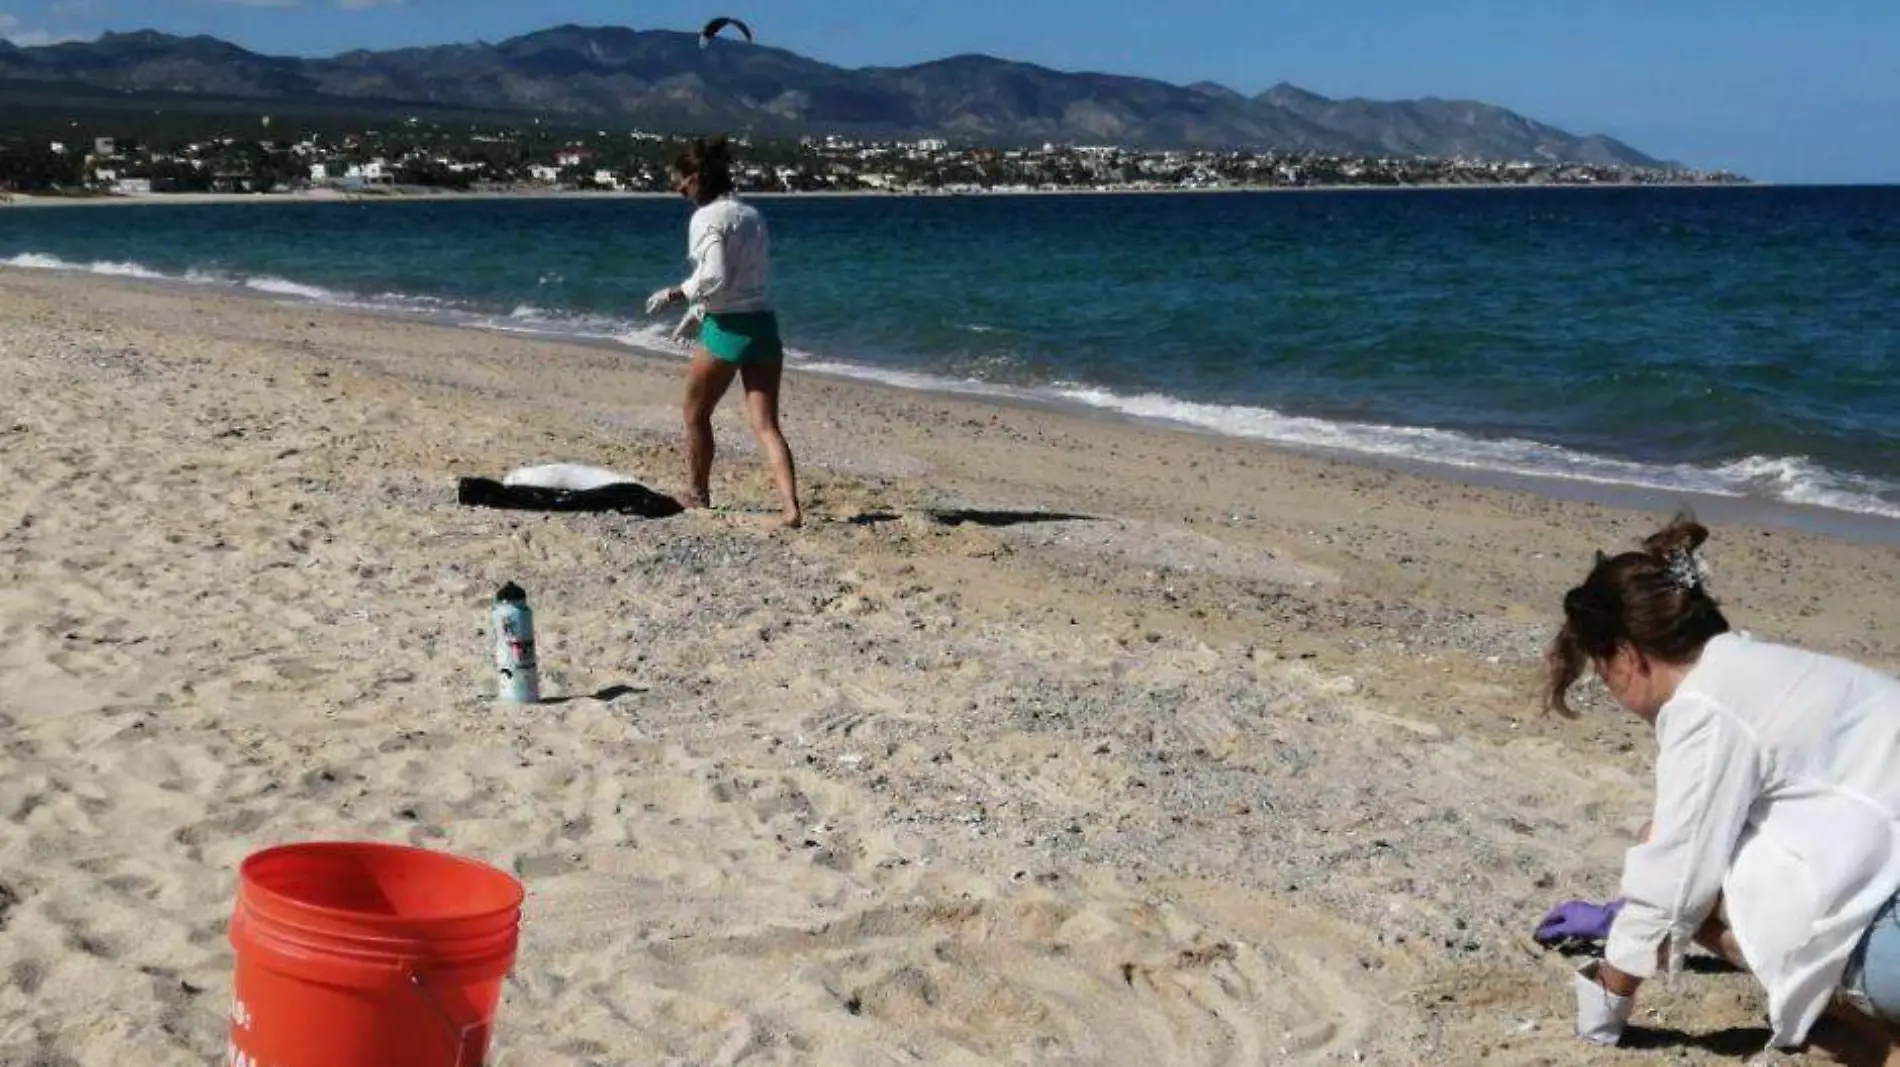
<point x="457" y="1032"/>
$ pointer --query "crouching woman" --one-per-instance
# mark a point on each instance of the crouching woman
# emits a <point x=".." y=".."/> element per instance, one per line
<point x="1775" y="838"/>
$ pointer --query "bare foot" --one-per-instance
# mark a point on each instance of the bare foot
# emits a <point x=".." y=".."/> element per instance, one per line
<point x="692" y="501"/>
<point x="791" y="520"/>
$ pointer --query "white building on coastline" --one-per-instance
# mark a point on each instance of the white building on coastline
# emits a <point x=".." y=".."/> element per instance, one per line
<point x="375" y="172"/>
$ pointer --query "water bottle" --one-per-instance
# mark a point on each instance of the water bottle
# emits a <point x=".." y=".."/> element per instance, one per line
<point x="518" y="676"/>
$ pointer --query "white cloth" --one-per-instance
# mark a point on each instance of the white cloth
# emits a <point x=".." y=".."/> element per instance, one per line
<point x="731" y="251"/>
<point x="570" y="476"/>
<point x="1777" y="786"/>
<point x="1601" y="1014"/>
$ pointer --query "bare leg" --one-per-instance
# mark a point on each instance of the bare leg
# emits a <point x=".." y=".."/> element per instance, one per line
<point x="761" y="410"/>
<point x="1715" y="935"/>
<point x="706" y="381"/>
<point x="1843" y="1034"/>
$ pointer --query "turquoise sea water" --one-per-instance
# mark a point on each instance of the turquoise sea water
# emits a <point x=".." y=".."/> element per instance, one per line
<point x="1743" y="342"/>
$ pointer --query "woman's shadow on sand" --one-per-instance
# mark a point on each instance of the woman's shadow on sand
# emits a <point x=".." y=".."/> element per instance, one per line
<point x="1740" y="1042"/>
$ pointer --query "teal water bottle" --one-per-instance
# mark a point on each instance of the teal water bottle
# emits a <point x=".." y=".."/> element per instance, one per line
<point x="517" y="674"/>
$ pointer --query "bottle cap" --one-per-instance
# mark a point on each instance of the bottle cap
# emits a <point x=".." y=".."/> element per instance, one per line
<point x="512" y="593"/>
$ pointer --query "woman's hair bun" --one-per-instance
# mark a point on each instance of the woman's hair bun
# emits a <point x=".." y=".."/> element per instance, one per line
<point x="1683" y="535"/>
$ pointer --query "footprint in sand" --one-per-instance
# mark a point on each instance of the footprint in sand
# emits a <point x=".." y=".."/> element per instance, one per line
<point x="181" y="1008"/>
<point x="231" y="826"/>
<point x="27" y="975"/>
<point x="1043" y="978"/>
<point x="134" y="885"/>
<point x="82" y="939"/>
<point x="534" y="867"/>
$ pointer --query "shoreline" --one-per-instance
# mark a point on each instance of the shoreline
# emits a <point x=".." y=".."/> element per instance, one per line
<point x="1838" y="523"/>
<point x="1049" y="738"/>
<point x="1858" y="526"/>
<point x="435" y="195"/>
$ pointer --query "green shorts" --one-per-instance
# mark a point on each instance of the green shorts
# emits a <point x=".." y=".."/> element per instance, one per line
<point x="742" y="336"/>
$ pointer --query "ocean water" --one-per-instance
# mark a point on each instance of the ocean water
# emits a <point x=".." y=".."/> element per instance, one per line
<point x="1740" y="342"/>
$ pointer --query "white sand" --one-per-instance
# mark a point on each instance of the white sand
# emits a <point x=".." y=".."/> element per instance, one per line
<point x="1246" y="770"/>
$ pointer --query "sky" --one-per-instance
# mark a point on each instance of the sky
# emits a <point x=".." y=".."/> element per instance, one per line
<point x="1777" y="90"/>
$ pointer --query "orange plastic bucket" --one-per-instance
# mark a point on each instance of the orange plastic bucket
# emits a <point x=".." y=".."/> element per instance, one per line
<point x="368" y="955"/>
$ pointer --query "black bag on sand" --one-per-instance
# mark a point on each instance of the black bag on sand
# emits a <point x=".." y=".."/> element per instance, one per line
<point x="625" y="498"/>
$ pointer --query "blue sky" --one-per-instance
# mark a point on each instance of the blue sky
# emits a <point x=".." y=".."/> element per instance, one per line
<point x="1779" y="90"/>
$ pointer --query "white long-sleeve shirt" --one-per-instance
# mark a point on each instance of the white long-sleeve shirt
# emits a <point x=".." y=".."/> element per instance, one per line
<point x="731" y="252"/>
<point x="1777" y="786"/>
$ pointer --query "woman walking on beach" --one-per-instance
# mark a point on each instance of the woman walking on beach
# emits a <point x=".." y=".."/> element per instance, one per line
<point x="731" y="286"/>
<point x="1775" y="841"/>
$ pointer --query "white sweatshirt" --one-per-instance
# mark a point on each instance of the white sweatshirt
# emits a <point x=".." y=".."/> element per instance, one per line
<point x="732" y="258"/>
<point x="1778" y="786"/>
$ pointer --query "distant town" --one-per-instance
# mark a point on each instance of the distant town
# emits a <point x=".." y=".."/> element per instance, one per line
<point x="413" y="157"/>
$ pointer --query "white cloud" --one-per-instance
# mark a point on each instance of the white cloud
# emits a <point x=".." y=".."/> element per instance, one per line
<point x="40" y="38"/>
<point x="12" y="29"/>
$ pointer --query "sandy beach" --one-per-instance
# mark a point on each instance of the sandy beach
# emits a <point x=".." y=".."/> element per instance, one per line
<point x="1052" y="740"/>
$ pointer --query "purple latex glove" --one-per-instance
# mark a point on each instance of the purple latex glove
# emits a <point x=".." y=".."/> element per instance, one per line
<point x="1577" y="920"/>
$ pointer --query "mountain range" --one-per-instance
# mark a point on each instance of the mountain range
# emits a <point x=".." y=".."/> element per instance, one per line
<point x="665" y="82"/>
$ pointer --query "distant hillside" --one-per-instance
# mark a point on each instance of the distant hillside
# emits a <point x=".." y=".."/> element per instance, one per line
<point x="663" y="81"/>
